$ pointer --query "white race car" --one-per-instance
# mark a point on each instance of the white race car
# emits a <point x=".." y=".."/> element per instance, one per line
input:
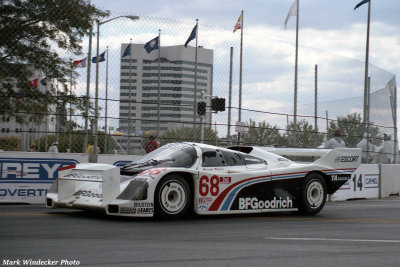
<point x="180" y="178"/>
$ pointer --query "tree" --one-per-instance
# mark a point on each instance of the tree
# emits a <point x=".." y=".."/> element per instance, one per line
<point x="77" y="142"/>
<point x="306" y="136"/>
<point x="262" y="135"/>
<point x="185" y="134"/>
<point x="353" y="129"/>
<point x="33" y="34"/>
<point x="10" y="143"/>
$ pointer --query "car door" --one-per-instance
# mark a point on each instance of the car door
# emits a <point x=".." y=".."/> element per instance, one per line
<point x="222" y="175"/>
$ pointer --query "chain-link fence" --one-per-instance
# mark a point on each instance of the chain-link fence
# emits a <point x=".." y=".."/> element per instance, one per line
<point x="144" y="93"/>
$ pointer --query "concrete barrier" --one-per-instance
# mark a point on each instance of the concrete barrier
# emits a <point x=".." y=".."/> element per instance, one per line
<point x="390" y="180"/>
<point x="371" y="181"/>
<point x="26" y="176"/>
<point x="364" y="183"/>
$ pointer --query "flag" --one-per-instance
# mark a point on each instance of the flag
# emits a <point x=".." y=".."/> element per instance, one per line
<point x="80" y="63"/>
<point x="192" y="36"/>
<point x="292" y="12"/>
<point x="33" y="83"/>
<point x="127" y="51"/>
<point x="361" y="3"/>
<point x="152" y="45"/>
<point x="238" y="25"/>
<point x="101" y="58"/>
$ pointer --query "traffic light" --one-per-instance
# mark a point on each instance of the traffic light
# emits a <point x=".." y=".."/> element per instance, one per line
<point x="218" y="104"/>
<point x="201" y="108"/>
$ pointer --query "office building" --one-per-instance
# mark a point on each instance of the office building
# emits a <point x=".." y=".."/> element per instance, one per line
<point x="139" y="89"/>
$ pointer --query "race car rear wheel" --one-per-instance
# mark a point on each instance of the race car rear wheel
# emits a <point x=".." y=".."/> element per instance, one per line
<point x="312" y="195"/>
<point x="173" y="197"/>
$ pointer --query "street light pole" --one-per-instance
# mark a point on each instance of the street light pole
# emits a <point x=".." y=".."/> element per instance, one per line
<point x="96" y="99"/>
<point x="96" y="105"/>
<point x="106" y="110"/>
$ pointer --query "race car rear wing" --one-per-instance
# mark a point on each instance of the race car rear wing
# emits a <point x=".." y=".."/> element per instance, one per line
<point x="341" y="158"/>
<point x="331" y="158"/>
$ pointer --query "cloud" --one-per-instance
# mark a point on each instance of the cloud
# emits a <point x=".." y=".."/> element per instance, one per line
<point x="268" y="56"/>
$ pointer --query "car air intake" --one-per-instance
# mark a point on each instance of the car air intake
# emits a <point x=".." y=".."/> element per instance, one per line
<point x="112" y="208"/>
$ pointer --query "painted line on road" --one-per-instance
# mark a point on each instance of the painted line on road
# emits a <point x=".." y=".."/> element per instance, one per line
<point x="359" y="220"/>
<point x="18" y="213"/>
<point x="333" y="239"/>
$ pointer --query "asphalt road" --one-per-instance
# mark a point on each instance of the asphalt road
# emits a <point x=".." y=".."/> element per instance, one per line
<point x="352" y="233"/>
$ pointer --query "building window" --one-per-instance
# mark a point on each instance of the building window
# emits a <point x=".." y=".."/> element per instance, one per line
<point x="126" y="108"/>
<point x="127" y="94"/>
<point x="127" y="87"/>
<point x="128" y="74"/>
<point x="127" y="81"/>
<point x="127" y="60"/>
<point x="127" y="67"/>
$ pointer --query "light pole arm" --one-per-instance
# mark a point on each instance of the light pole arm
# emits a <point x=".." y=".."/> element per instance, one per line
<point x="129" y="17"/>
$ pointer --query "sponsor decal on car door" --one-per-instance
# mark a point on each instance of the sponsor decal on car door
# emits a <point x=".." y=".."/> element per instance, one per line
<point x="216" y="191"/>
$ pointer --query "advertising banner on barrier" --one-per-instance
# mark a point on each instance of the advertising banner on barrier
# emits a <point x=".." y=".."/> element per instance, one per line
<point x="28" y="179"/>
<point x="364" y="183"/>
<point x="25" y="177"/>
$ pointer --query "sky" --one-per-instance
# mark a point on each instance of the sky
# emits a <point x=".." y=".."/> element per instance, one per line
<point x="324" y="24"/>
<point x="328" y="25"/>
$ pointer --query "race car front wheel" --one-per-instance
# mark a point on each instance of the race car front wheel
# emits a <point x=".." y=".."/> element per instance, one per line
<point x="312" y="195"/>
<point x="173" y="197"/>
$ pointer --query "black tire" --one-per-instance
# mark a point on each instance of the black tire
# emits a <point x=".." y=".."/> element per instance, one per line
<point x="312" y="195"/>
<point x="173" y="197"/>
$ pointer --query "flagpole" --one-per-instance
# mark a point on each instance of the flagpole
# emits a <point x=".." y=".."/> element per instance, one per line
<point x="295" y="77"/>
<point x="130" y="90"/>
<point x="71" y="128"/>
<point x="366" y="96"/>
<point x="240" y="74"/>
<point x="230" y="97"/>
<point x="89" y="61"/>
<point x="195" y="84"/>
<point x="106" y="108"/>
<point x="159" y="84"/>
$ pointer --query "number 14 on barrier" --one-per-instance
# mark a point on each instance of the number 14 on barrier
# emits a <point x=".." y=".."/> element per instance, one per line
<point x="364" y="181"/>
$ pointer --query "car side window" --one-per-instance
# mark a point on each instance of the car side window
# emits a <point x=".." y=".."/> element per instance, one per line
<point x="233" y="158"/>
<point x="213" y="158"/>
<point x="250" y="160"/>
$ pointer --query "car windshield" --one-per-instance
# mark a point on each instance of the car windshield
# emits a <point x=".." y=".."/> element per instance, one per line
<point x="169" y="155"/>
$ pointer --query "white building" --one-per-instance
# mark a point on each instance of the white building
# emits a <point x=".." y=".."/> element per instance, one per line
<point x="31" y="130"/>
<point x="139" y="79"/>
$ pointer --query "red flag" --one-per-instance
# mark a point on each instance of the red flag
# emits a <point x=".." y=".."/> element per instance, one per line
<point x="33" y="83"/>
<point x="80" y="63"/>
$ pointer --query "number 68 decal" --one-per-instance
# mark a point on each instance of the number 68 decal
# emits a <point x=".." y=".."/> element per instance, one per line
<point x="209" y="186"/>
